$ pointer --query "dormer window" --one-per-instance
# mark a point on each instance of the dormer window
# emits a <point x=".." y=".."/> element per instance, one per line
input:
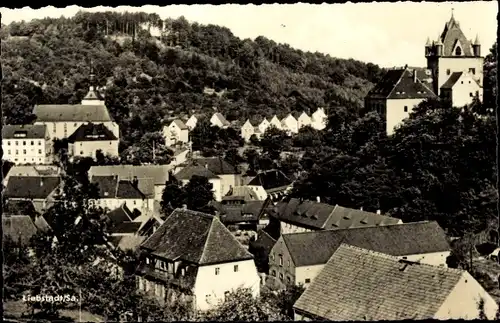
<point x="147" y="261"/>
<point x="458" y="51"/>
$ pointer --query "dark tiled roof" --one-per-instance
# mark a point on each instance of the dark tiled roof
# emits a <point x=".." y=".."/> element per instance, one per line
<point x="121" y="214"/>
<point x="158" y="173"/>
<point x="240" y="192"/>
<point x="321" y="216"/>
<point x="361" y="285"/>
<point x="92" y="132"/>
<point x="71" y="112"/>
<point x="270" y="179"/>
<point x="126" y="190"/>
<point x="107" y="185"/>
<point x="314" y="248"/>
<point x="385" y="86"/>
<point x="126" y="227"/>
<point x="264" y="240"/>
<point x="31" y="187"/>
<point x="451" y="34"/>
<point x="19" y="228"/>
<point x="180" y="124"/>
<point x="18" y="207"/>
<point x="234" y="213"/>
<point x="452" y="80"/>
<point x="197" y="238"/>
<point x="216" y="165"/>
<point x="189" y="171"/>
<point x="222" y="119"/>
<point x="24" y="131"/>
<point x="401" y="84"/>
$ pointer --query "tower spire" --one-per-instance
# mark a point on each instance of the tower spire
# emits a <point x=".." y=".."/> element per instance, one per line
<point x="92" y="75"/>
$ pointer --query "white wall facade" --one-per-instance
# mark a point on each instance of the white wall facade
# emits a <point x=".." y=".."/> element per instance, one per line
<point x="275" y="122"/>
<point x="465" y="90"/>
<point x="27" y="151"/>
<point x="247" y="130"/>
<point x="290" y="228"/>
<point x="259" y="191"/>
<point x="212" y="282"/>
<point x="191" y="123"/>
<point x="159" y="192"/>
<point x="90" y="148"/>
<point x="291" y="124"/>
<point x="435" y="258"/>
<point x="304" y="120"/>
<point x="173" y="134"/>
<point x="304" y="275"/>
<point x="395" y="113"/>
<point x="113" y="203"/>
<point x="459" y="64"/>
<point x="264" y="125"/>
<point x="228" y="181"/>
<point x="319" y="119"/>
<point x="462" y="303"/>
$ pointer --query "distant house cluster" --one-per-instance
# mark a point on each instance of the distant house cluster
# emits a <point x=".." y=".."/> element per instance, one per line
<point x="88" y="127"/>
<point x="454" y="73"/>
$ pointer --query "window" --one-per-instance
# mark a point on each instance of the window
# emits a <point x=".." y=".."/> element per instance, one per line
<point x="32" y="143"/>
<point x="273" y="273"/>
<point x="8" y="151"/>
<point x="24" y="143"/>
<point x="471" y="95"/>
<point x="406" y="108"/>
<point x="135" y="202"/>
<point x="458" y="51"/>
<point x="217" y="271"/>
<point x="39" y="142"/>
<point x="448" y="72"/>
<point x="226" y="294"/>
<point x="462" y="82"/>
<point x="308" y="280"/>
<point x="281" y="277"/>
<point x="472" y="70"/>
<point x="8" y="142"/>
<point x="39" y="151"/>
<point x="235" y="268"/>
<point x="288" y="280"/>
<point x="24" y="151"/>
<point x="147" y="261"/>
<point x="281" y="260"/>
<point x="81" y="152"/>
<point x="75" y="124"/>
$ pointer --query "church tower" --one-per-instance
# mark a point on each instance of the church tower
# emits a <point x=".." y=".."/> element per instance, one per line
<point x="452" y="56"/>
<point x="93" y="97"/>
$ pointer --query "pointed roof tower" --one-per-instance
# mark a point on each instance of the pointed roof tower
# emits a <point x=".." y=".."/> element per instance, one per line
<point x="477" y="42"/>
<point x="93" y="97"/>
<point x="452" y="36"/>
<point x="428" y="42"/>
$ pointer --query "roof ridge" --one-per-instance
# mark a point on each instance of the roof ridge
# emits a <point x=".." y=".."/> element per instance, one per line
<point x="396" y="84"/>
<point x="206" y="241"/>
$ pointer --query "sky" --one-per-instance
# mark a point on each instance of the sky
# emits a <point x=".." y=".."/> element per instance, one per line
<point x="386" y="34"/>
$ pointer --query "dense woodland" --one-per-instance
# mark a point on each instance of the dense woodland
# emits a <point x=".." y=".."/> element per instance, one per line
<point x="439" y="165"/>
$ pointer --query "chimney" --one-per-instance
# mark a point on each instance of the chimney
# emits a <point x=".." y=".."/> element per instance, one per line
<point x="206" y="166"/>
<point x="318" y="199"/>
<point x="378" y="212"/>
<point x="414" y="76"/>
<point x="361" y="208"/>
<point x="41" y="182"/>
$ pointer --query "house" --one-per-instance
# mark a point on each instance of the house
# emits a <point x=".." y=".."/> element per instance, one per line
<point x="297" y="258"/>
<point x="229" y="174"/>
<point x="113" y="192"/>
<point x="62" y="120"/>
<point x="460" y="89"/>
<point x="269" y="184"/>
<point x="276" y="122"/>
<point x="264" y="125"/>
<point x="175" y="133"/>
<point x="193" y="256"/>
<point x="452" y="53"/>
<point x="180" y="157"/>
<point x="26" y="144"/>
<point x="319" y="119"/>
<point x="295" y="215"/>
<point x="290" y="124"/>
<point x="362" y="285"/>
<point x="90" y="138"/>
<point x="218" y="120"/>
<point x="41" y="190"/>
<point x="304" y="120"/>
<point x="191" y="122"/>
<point x="185" y="174"/>
<point x="19" y="229"/>
<point x="261" y="248"/>
<point x="247" y="131"/>
<point x="395" y="96"/>
<point x="158" y="173"/>
<point x="238" y="213"/>
<point x="38" y="170"/>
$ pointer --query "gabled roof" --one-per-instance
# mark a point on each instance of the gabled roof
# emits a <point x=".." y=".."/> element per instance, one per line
<point x="452" y="80"/>
<point x="221" y="118"/>
<point x="127" y="242"/>
<point x="264" y="240"/>
<point x="361" y="285"/>
<point x="188" y="172"/>
<point x="216" y="165"/>
<point x="179" y="123"/>
<point x="196" y="238"/>
<point x="93" y="95"/>
<point x="314" y="248"/>
<point x="113" y="187"/>
<point x="92" y="132"/>
<point x="127" y="227"/>
<point x="71" y="112"/>
<point x="19" y="228"/>
<point x="451" y="35"/>
<point x="235" y="213"/>
<point x="127" y="190"/>
<point x="270" y="179"/>
<point x="241" y="192"/>
<point x="401" y="84"/>
<point x="24" y="131"/>
<point x="39" y="170"/>
<point x="158" y="173"/>
<point x="31" y="187"/>
<point x="119" y="215"/>
<point x="321" y="216"/>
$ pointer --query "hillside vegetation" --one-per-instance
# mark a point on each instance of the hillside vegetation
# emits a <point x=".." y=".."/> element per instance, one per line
<point x="189" y="68"/>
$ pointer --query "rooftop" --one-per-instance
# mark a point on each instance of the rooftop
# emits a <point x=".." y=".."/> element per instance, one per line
<point x="31" y="187"/>
<point x="71" y="112"/>
<point x="24" y="131"/>
<point x="92" y="132"/>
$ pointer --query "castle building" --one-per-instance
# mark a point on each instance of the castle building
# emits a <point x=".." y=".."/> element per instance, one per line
<point x="454" y="73"/>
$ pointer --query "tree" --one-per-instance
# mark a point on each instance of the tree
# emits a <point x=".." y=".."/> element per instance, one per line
<point x="173" y="196"/>
<point x="198" y="192"/>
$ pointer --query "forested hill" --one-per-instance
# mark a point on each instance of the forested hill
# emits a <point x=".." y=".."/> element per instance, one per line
<point x="189" y="67"/>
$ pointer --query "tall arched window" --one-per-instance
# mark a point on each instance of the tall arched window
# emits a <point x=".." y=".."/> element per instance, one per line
<point x="458" y="51"/>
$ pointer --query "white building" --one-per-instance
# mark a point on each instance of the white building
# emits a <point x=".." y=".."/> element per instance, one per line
<point x="372" y="286"/>
<point x="290" y="124"/>
<point x="27" y="144"/>
<point x="62" y="120"/>
<point x="175" y="133"/>
<point x="461" y="88"/>
<point x="264" y="125"/>
<point x="296" y="258"/>
<point x="319" y="119"/>
<point x="194" y="257"/>
<point x="191" y="122"/>
<point x="218" y="120"/>
<point x="275" y="121"/>
<point x="90" y="138"/>
<point x="247" y="131"/>
<point x="304" y="120"/>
